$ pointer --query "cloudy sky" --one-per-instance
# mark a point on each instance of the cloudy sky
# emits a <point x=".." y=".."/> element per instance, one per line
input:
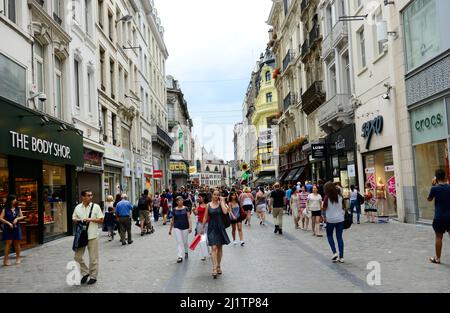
<point x="213" y="47"/>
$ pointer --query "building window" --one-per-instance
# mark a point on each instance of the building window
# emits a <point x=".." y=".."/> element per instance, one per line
<point x="58" y="89"/>
<point x="100" y="12"/>
<point x="110" y="25"/>
<point x="57" y="9"/>
<point x="91" y="85"/>
<point x="333" y="82"/>
<point x="40" y="72"/>
<point x="125" y="138"/>
<point x="88" y="17"/>
<point x="102" y="69"/>
<point x="77" y="83"/>
<point x="114" y="128"/>
<point x="111" y="78"/>
<point x="104" y="124"/>
<point x="422" y="35"/>
<point x="362" y="49"/>
<point x="379" y="45"/>
<point x="269" y="97"/>
<point x="8" y="9"/>
<point x="347" y="75"/>
<point x="268" y="76"/>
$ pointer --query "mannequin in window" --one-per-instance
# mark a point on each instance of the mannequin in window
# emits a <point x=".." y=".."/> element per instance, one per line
<point x="381" y="194"/>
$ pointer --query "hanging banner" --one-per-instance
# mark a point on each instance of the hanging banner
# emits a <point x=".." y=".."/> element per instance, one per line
<point x="391" y="186"/>
<point x="371" y="181"/>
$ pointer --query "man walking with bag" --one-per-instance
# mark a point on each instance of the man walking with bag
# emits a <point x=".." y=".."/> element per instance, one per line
<point x="90" y="214"/>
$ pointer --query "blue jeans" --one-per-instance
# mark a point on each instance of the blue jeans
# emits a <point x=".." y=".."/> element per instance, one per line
<point x="339" y="230"/>
<point x="156" y="213"/>
<point x="355" y="204"/>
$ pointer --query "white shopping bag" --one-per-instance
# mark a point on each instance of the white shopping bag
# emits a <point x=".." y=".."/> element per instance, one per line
<point x="203" y="238"/>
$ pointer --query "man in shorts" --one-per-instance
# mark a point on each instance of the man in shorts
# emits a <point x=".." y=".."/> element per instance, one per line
<point x="440" y="192"/>
<point x="144" y="206"/>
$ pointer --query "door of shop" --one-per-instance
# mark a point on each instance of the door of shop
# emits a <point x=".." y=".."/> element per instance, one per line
<point x="25" y="181"/>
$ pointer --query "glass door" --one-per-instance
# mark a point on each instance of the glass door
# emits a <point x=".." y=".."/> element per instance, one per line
<point x="27" y="195"/>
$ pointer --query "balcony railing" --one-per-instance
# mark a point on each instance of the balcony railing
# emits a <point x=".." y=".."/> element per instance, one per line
<point x="313" y="97"/>
<point x="340" y="33"/>
<point x="162" y="136"/>
<point x="287" y="60"/>
<point x="336" y="110"/>
<point x="287" y="102"/>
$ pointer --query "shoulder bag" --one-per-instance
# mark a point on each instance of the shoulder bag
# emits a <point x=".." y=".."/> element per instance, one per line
<point x="81" y="234"/>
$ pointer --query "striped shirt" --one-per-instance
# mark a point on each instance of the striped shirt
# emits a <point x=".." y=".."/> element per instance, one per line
<point x="303" y="199"/>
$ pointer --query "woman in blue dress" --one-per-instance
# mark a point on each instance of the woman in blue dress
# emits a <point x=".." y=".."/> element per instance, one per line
<point x="12" y="233"/>
<point x="217" y="235"/>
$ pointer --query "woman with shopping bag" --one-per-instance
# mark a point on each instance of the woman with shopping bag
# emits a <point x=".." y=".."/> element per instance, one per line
<point x="200" y="212"/>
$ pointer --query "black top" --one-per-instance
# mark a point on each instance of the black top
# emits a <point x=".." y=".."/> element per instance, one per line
<point x="278" y="198"/>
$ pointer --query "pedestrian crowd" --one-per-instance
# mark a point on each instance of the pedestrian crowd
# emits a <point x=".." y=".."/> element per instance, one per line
<point x="321" y="205"/>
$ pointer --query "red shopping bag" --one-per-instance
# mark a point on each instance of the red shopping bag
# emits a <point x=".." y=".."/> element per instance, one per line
<point x="195" y="242"/>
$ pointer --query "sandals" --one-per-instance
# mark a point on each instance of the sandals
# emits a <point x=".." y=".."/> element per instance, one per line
<point x="219" y="270"/>
<point x="435" y="260"/>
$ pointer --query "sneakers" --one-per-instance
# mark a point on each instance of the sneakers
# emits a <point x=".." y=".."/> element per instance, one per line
<point x="242" y="243"/>
<point x="341" y="260"/>
<point x="92" y="281"/>
<point x="235" y="242"/>
<point x="335" y="258"/>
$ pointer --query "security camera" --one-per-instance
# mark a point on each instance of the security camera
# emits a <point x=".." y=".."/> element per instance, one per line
<point x="42" y="97"/>
<point x="386" y="96"/>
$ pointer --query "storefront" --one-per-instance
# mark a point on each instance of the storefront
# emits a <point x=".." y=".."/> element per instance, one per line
<point x="430" y="138"/>
<point x="180" y="173"/>
<point x="38" y="160"/>
<point x="317" y="152"/>
<point x="148" y="175"/>
<point x="342" y="158"/>
<point x="112" y="177"/>
<point x="90" y="177"/>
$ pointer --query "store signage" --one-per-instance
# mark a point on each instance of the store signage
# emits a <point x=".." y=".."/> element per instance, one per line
<point x="340" y="143"/>
<point x="92" y="158"/>
<point x="374" y="126"/>
<point x="429" y="122"/>
<point x="391" y="186"/>
<point x="192" y="170"/>
<point x="369" y="170"/>
<point x="178" y="167"/>
<point x="389" y="168"/>
<point x="157" y="174"/>
<point x="41" y="146"/>
<point x="318" y="151"/>
<point x="351" y="170"/>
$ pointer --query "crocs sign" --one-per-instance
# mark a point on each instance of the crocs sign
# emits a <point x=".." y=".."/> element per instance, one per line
<point x="429" y="122"/>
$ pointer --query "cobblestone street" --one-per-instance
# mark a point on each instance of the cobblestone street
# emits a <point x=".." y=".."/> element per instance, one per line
<point x="294" y="262"/>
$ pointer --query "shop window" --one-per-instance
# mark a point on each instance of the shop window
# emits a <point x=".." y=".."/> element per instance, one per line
<point x="428" y="158"/>
<point x="379" y="174"/>
<point x="4" y="190"/>
<point x="55" y="200"/>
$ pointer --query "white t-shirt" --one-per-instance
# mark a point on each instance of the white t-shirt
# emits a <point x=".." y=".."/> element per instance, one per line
<point x="314" y="202"/>
<point x="334" y="212"/>
<point x="354" y="195"/>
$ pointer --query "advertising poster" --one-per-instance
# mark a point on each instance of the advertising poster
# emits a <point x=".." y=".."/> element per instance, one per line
<point x="391" y="186"/>
<point x="371" y="180"/>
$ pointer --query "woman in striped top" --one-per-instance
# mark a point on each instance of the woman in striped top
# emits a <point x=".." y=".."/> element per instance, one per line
<point x="303" y="202"/>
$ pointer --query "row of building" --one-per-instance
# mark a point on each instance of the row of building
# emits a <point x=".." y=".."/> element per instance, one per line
<point x="362" y="96"/>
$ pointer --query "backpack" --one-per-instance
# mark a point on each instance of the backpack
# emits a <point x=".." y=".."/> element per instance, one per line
<point x="142" y="204"/>
<point x="360" y="199"/>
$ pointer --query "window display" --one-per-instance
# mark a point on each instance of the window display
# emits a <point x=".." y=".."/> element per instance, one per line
<point x="428" y="158"/>
<point x="379" y="172"/>
<point x="54" y="197"/>
<point x="26" y="192"/>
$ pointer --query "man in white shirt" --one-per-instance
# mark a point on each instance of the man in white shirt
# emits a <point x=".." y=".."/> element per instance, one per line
<point x="81" y="215"/>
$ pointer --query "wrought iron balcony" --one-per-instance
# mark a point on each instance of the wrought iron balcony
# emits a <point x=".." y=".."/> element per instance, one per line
<point x="162" y="137"/>
<point x="336" y="112"/>
<point x="313" y="97"/>
<point x="340" y="34"/>
<point x="287" y="60"/>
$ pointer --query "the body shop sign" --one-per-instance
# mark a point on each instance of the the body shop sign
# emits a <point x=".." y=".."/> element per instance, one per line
<point x="37" y="145"/>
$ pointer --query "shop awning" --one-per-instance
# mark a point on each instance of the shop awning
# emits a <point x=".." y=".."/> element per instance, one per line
<point x="265" y="179"/>
<point x="298" y="174"/>
<point x="291" y="174"/>
<point x="282" y="175"/>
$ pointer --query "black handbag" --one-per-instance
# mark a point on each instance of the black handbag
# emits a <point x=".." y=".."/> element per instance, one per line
<point x="81" y="234"/>
<point x="226" y="220"/>
<point x="348" y="220"/>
